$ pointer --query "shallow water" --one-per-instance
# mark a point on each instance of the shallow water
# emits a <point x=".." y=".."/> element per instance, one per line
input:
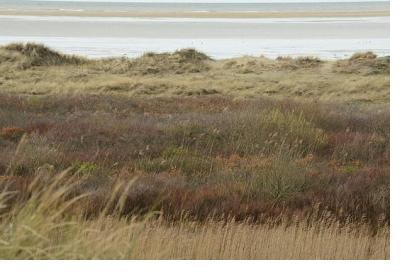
<point x="220" y="38"/>
<point x="132" y="47"/>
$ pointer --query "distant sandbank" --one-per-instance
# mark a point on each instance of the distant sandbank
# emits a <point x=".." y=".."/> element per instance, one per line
<point x="194" y="14"/>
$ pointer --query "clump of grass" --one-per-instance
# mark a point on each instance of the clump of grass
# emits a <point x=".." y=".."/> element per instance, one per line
<point x="32" y="54"/>
<point x="366" y="63"/>
<point x="32" y="153"/>
<point x="297" y="130"/>
<point x="191" y="55"/>
<point x="289" y="63"/>
<point x="250" y="133"/>
<point x="281" y="177"/>
<point x="179" y="62"/>
<point x="363" y="56"/>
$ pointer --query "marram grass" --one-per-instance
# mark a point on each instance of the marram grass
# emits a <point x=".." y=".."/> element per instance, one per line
<point x="48" y="224"/>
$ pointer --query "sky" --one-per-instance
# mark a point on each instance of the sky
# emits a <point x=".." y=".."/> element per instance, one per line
<point x="223" y="1"/>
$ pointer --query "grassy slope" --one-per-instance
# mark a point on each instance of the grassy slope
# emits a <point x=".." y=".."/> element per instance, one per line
<point x="362" y="78"/>
<point x="260" y="140"/>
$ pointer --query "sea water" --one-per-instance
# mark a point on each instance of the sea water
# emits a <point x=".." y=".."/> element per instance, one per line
<point x="218" y="37"/>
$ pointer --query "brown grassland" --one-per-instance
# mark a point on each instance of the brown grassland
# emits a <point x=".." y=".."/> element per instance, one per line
<point x="179" y="156"/>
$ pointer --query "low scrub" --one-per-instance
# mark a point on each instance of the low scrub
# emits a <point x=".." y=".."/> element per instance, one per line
<point x="260" y="159"/>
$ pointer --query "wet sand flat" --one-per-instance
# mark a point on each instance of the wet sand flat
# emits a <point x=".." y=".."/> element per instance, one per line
<point x="188" y="28"/>
<point x="195" y="14"/>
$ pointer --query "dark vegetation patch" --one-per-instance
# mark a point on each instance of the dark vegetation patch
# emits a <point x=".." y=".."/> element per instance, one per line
<point x="208" y="155"/>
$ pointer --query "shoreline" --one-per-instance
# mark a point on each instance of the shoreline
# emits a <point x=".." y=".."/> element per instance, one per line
<point x="108" y="49"/>
<point x="195" y="14"/>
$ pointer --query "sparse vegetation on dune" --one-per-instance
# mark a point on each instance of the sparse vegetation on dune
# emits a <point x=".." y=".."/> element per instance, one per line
<point x="189" y="72"/>
<point x="249" y="146"/>
<point x="364" y="63"/>
<point x="28" y="55"/>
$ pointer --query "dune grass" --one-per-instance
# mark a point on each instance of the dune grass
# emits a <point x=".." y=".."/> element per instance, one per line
<point x="36" y="70"/>
<point x="186" y="154"/>
<point x="49" y="224"/>
<point x="29" y="55"/>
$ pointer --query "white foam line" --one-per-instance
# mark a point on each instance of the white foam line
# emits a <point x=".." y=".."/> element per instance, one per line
<point x="217" y="48"/>
<point x="198" y="20"/>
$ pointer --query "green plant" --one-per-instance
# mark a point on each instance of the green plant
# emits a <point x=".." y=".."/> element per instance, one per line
<point x="84" y="168"/>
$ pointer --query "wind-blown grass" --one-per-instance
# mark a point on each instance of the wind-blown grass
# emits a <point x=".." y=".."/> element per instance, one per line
<point x="48" y="224"/>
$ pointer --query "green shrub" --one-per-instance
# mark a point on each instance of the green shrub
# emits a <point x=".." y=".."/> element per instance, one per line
<point x="85" y="168"/>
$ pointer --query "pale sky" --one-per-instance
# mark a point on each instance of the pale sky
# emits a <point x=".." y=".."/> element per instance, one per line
<point x="222" y="1"/>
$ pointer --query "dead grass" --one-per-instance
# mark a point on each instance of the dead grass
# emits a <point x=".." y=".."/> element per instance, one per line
<point x="49" y="225"/>
<point x="29" y="55"/>
<point x="364" y="63"/>
<point x="184" y="61"/>
<point x="191" y="73"/>
<point x="288" y="63"/>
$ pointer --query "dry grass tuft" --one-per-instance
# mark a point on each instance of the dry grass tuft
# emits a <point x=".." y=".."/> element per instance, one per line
<point x="49" y="224"/>
<point x="31" y="54"/>
<point x="179" y="62"/>
<point x="289" y="63"/>
<point x="363" y="56"/>
<point x="364" y="63"/>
